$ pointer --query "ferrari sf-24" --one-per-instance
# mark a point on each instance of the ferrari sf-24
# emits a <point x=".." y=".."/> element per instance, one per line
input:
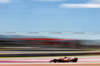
<point x="66" y="59"/>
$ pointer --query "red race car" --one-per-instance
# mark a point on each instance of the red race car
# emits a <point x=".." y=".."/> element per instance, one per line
<point x="66" y="59"/>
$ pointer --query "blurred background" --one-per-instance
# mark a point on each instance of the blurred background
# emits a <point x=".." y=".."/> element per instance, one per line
<point x="26" y="45"/>
<point x="73" y="27"/>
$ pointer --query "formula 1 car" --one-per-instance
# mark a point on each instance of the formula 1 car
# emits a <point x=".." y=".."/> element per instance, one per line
<point x="61" y="60"/>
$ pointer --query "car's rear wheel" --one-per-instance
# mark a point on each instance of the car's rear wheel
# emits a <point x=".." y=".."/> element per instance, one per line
<point x="75" y="60"/>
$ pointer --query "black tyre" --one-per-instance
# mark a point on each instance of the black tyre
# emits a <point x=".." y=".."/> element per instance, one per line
<point x="75" y="59"/>
<point x="54" y="60"/>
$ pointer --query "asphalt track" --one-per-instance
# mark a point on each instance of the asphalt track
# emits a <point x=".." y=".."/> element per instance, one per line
<point x="44" y="61"/>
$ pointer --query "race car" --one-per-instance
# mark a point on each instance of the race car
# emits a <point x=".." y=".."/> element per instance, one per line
<point x="64" y="60"/>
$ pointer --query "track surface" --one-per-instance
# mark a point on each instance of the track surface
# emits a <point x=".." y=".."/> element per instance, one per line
<point x="45" y="61"/>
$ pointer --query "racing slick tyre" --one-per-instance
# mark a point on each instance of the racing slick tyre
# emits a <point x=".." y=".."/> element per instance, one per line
<point x="74" y="60"/>
<point x="55" y="60"/>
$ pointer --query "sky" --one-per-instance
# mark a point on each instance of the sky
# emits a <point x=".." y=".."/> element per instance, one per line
<point x="49" y="15"/>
